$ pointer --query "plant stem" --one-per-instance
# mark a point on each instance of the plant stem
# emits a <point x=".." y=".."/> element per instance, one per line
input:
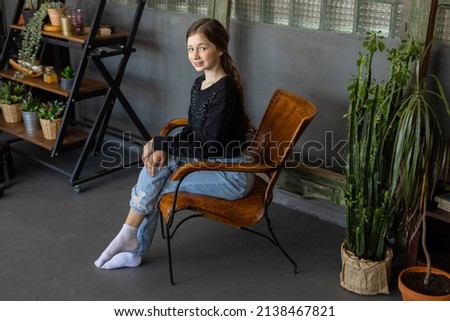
<point x="426" y="280"/>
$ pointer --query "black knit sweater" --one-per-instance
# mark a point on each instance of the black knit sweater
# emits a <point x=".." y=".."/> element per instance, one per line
<point x="216" y="123"/>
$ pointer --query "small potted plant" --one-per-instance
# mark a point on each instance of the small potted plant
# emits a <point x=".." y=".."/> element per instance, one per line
<point x="67" y="78"/>
<point x="10" y="96"/>
<point x="55" y="11"/>
<point x="50" y="114"/>
<point x="29" y="107"/>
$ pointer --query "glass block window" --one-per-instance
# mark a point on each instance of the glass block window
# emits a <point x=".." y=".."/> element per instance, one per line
<point x="339" y="15"/>
<point x="123" y="2"/>
<point x="344" y="16"/>
<point x="277" y="12"/>
<point x="443" y="24"/>
<point x="375" y="16"/>
<point x="247" y="10"/>
<point x="306" y="14"/>
<point x="398" y="14"/>
<point x="157" y="4"/>
<point x="178" y="5"/>
<point x="199" y="7"/>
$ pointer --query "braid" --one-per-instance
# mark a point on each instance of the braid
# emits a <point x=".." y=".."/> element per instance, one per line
<point x="231" y="70"/>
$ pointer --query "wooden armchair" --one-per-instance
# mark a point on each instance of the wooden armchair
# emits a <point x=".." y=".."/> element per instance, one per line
<point x="285" y="119"/>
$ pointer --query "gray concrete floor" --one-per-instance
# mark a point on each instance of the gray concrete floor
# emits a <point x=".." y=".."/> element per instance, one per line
<point x="50" y="237"/>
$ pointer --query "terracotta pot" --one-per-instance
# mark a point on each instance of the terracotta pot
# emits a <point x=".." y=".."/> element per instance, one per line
<point x="410" y="295"/>
<point x="55" y="16"/>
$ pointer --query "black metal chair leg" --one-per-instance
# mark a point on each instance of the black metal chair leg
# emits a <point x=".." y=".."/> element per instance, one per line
<point x="169" y="254"/>
<point x="278" y="244"/>
<point x="284" y="251"/>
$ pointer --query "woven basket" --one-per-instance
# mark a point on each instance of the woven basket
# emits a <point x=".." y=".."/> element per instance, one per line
<point x="12" y="113"/>
<point x="50" y="128"/>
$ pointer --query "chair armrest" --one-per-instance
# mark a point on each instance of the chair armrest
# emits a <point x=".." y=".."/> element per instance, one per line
<point x="174" y="123"/>
<point x="188" y="168"/>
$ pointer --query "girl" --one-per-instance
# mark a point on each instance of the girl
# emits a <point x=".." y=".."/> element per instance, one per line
<point x="216" y="130"/>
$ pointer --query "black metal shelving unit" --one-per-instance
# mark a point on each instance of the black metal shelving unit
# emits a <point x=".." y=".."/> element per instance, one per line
<point x="95" y="49"/>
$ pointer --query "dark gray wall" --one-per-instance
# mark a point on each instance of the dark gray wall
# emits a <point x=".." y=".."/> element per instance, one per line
<point x="314" y="64"/>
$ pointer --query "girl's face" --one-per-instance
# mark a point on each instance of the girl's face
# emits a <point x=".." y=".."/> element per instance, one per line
<point x="202" y="53"/>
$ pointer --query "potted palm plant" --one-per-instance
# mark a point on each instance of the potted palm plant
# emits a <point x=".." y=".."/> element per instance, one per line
<point x="50" y="114"/>
<point x="420" y="155"/>
<point x="372" y="207"/>
<point x="10" y="96"/>
<point x="29" y="107"/>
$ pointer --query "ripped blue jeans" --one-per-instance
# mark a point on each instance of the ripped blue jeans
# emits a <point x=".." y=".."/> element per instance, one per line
<point x="148" y="190"/>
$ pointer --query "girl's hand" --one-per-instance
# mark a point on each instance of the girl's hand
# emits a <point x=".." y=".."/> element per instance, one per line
<point x="156" y="161"/>
<point x="147" y="151"/>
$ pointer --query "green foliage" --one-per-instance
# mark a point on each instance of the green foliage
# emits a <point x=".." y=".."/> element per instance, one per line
<point x="55" y="5"/>
<point x="30" y="103"/>
<point x="420" y="151"/>
<point x="32" y="35"/>
<point x="68" y="73"/>
<point x="51" y="110"/>
<point x="11" y="92"/>
<point x="397" y="147"/>
<point x="371" y="203"/>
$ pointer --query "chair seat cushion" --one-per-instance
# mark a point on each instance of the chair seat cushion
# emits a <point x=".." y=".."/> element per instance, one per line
<point x="238" y="213"/>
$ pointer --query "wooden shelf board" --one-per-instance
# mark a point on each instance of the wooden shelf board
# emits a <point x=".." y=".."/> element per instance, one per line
<point x="87" y="85"/>
<point x="78" y="39"/>
<point x="439" y="214"/>
<point x="72" y="137"/>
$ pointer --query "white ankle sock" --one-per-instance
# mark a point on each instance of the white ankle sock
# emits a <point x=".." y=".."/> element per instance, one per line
<point x="125" y="241"/>
<point x="122" y="260"/>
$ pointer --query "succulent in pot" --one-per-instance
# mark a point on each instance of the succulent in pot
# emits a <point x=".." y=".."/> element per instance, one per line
<point x="67" y="77"/>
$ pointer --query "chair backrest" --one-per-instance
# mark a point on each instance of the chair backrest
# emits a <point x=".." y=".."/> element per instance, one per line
<point x="285" y="119"/>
